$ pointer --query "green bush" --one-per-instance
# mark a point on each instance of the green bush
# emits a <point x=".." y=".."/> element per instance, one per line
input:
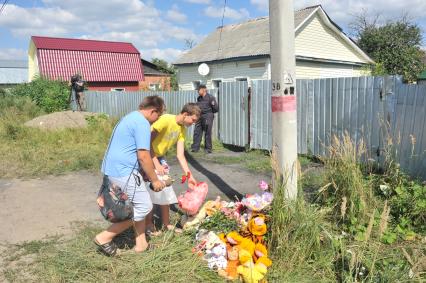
<point x="18" y="109"/>
<point x="50" y="95"/>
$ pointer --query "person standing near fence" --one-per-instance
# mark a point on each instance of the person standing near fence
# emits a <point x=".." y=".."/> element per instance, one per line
<point x="208" y="106"/>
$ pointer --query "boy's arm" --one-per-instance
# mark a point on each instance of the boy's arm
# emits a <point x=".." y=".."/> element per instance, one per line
<point x="157" y="164"/>
<point x="145" y="161"/>
<point x="182" y="160"/>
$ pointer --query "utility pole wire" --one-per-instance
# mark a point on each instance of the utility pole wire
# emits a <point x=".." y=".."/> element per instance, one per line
<point x="221" y="28"/>
<point x="3" y="6"/>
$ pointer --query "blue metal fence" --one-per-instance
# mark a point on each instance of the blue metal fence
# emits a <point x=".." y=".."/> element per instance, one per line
<point x="375" y="109"/>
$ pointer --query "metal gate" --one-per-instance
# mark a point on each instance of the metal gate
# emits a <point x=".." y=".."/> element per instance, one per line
<point x="233" y="109"/>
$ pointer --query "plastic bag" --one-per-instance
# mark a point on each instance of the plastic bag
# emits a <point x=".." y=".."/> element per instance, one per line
<point x="191" y="201"/>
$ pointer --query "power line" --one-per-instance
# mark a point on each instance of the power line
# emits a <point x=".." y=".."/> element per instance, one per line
<point x="3" y="6"/>
<point x="221" y="28"/>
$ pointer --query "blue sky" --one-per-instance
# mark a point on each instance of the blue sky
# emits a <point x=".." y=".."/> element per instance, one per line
<point x="159" y="28"/>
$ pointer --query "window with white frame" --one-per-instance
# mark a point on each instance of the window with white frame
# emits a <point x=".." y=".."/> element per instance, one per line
<point x="154" y="86"/>
<point x="196" y="84"/>
<point x="216" y="83"/>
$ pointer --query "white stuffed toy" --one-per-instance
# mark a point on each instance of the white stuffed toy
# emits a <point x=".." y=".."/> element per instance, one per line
<point x="217" y="257"/>
<point x="212" y="240"/>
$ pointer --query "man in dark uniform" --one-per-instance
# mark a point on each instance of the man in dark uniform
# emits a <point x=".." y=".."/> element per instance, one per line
<point x="208" y="106"/>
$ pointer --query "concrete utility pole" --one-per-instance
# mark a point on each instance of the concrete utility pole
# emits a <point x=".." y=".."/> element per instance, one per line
<point x="283" y="77"/>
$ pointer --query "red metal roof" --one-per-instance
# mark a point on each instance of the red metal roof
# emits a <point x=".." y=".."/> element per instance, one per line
<point x="42" y="42"/>
<point x="96" y="61"/>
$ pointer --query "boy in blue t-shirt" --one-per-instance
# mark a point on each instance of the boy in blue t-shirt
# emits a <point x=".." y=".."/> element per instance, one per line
<point x="127" y="155"/>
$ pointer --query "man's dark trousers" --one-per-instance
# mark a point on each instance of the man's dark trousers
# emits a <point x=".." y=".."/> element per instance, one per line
<point x="205" y="124"/>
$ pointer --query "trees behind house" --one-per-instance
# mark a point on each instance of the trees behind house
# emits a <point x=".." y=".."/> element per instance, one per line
<point x="168" y="68"/>
<point x="395" y="45"/>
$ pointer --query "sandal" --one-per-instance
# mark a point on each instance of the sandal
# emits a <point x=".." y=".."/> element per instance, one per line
<point x="108" y="249"/>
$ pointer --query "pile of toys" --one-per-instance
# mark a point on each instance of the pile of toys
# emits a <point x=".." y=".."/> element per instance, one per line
<point x="240" y="253"/>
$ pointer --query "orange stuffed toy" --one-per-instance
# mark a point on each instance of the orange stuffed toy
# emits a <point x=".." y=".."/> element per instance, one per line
<point x="256" y="228"/>
<point x="230" y="272"/>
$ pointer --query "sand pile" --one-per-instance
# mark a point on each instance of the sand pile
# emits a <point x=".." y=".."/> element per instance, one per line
<point x="60" y="120"/>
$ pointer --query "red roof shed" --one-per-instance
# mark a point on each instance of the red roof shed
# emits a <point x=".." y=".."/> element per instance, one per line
<point x="105" y="65"/>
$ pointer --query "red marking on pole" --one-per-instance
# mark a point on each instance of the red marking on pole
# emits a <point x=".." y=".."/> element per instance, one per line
<point x="285" y="103"/>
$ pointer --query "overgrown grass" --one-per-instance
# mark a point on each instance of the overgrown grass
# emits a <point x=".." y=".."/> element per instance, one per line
<point x="349" y="235"/>
<point x="30" y="152"/>
<point x="347" y="190"/>
<point x="77" y="260"/>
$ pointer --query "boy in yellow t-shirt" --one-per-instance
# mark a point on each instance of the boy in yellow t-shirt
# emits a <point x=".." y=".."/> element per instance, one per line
<point x="165" y="133"/>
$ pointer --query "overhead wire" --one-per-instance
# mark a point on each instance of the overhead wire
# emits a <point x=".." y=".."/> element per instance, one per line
<point x="221" y="28"/>
<point x="3" y="6"/>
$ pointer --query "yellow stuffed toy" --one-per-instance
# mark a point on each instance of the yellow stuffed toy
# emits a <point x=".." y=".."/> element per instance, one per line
<point x="261" y="252"/>
<point x="250" y="272"/>
<point x="243" y="243"/>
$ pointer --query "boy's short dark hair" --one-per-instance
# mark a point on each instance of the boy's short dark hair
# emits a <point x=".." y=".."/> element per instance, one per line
<point x="192" y="109"/>
<point x="201" y="87"/>
<point x="153" y="101"/>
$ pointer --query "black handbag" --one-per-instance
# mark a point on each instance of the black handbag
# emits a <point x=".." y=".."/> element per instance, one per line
<point x="113" y="201"/>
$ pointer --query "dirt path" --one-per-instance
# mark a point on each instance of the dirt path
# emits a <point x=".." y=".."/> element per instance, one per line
<point x="36" y="208"/>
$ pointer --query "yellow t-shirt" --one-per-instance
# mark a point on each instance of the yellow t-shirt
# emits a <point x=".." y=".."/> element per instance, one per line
<point x="169" y="133"/>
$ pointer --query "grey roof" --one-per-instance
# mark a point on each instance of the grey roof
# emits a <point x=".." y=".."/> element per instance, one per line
<point x="14" y="64"/>
<point x="150" y="68"/>
<point x="13" y="71"/>
<point x="250" y="38"/>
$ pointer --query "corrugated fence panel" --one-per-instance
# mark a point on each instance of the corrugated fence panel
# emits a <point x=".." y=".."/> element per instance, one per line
<point x="233" y="120"/>
<point x="409" y="128"/>
<point x="261" y="115"/>
<point x="118" y="104"/>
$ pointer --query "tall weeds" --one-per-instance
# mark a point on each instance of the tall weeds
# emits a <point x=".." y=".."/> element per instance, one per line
<point x="298" y="235"/>
<point x="347" y="191"/>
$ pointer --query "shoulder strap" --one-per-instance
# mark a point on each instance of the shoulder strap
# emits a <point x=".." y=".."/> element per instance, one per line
<point x="109" y="144"/>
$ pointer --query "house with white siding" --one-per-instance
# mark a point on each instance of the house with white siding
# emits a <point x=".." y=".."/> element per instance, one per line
<point x="13" y="72"/>
<point x="241" y="52"/>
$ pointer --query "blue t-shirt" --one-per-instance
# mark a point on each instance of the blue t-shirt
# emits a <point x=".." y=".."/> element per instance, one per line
<point x="133" y="132"/>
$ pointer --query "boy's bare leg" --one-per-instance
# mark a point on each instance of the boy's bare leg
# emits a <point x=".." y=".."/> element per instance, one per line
<point x="149" y="222"/>
<point x="141" y="243"/>
<point x="165" y="216"/>
<point x="112" y="231"/>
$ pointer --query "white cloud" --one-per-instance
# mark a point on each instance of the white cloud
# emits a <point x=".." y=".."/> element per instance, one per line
<point x="342" y="11"/>
<point x="135" y="21"/>
<point x="13" y="54"/>
<point x="198" y="1"/>
<point x="262" y="5"/>
<point x="42" y="21"/>
<point x="168" y="54"/>
<point x="217" y="12"/>
<point x="175" y="15"/>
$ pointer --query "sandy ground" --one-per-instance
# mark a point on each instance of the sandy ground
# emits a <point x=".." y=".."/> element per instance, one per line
<point x="35" y="208"/>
